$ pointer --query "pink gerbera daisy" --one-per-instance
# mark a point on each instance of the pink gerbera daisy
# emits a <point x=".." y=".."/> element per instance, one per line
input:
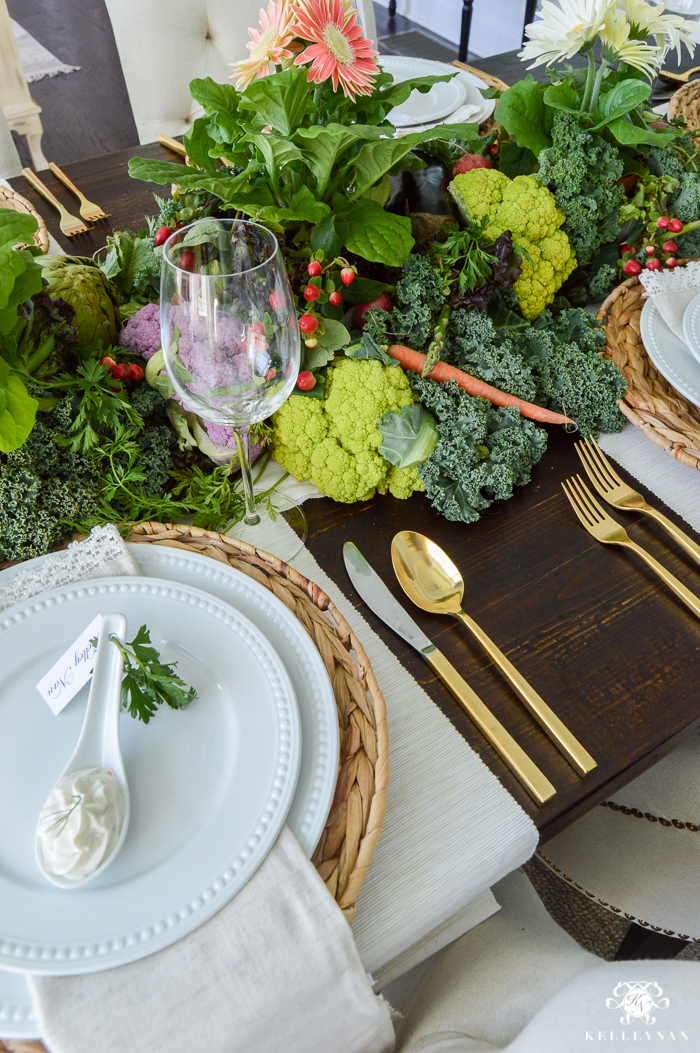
<point x="338" y="49"/>
<point x="269" y="45"/>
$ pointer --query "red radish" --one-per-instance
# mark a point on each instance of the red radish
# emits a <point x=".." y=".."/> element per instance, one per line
<point x="469" y="161"/>
<point x="632" y="267"/>
<point x="135" y="372"/>
<point x="161" y="235"/>
<point x="311" y="293"/>
<point x="314" y="268"/>
<point x="383" y="301"/>
<point x="663" y="222"/>
<point x="306" y="381"/>
<point x="675" y="226"/>
<point x="335" y="299"/>
<point x="186" y="261"/>
<point x="347" y="276"/>
<point x="121" y="371"/>
<point x="276" y="299"/>
<point x="670" y="246"/>
<point x="308" y="324"/>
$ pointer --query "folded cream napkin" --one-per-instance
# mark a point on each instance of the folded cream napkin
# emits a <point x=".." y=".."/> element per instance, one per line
<point x="276" y="969"/>
<point x="672" y="291"/>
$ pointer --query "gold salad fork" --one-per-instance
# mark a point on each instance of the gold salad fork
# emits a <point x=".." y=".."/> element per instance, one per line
<point x="618" y="494"/>
<point x="88" y="210"/>
<point x="603" y="528"/>
<point x="70" y="225"/>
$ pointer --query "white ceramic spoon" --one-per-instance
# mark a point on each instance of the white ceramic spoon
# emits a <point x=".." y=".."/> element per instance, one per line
<point x="98" y="745"/>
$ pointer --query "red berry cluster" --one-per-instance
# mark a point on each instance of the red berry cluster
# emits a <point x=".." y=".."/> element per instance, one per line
<point x="122" y="370"/>
<point x="659" y="253"/>
<point x="321" y="289"/>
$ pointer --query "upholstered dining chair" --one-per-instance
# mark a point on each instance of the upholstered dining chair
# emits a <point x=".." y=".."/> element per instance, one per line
<point x="191" y="38"/>
<point x="10" y="164"/>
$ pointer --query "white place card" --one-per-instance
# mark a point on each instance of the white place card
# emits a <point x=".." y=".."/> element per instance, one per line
<point x="72" y="671"/>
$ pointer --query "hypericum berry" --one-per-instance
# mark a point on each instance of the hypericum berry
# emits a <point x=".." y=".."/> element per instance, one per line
<point x="306" y="381"/>
<point x="186" y="261"/>
<point x="310" y="342"/>
<point x="314" y="268"/>
<point x="670" y="246"/>
<point x="276" y="299"/>
<point x="257" y="328"/>
<point x="162" y="235"/>
<point x="671" y="262"/>
<point x="121" y="371"/>
<point x="308" y="324"/>
<point x="494" y="148"/>
<point x="632" y="267"/>
<point x="270" y="374"/>
<point x="624" y="248"/>
<point x="675" y="226"/>
<point x="653" y="265"/>
<point x="663" y="222"/>
<point x="650" y="250"/>
<point x="135" y="372"/>
<point x="311" y="293"/>
<point x="347" y="276"/>
<point x="335" y="299"/>
<point x="109" y="362"/>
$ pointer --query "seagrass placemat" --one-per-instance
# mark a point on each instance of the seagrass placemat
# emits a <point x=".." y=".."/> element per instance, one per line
<point x="686" y="103"/>
<point x="650" y="403"/>
<point x="11" y="199"/>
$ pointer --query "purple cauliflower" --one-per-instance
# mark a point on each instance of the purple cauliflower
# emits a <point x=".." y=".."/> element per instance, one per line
<point x="141" y="334"/>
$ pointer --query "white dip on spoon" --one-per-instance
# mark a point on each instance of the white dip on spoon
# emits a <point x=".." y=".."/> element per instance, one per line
<point x="81" y="822"/>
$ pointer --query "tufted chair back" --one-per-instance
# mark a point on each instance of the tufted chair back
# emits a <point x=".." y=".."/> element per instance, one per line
<point x="164" y="44"/>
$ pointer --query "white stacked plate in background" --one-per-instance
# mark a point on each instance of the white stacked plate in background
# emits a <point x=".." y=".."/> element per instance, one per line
<point x="675" y="360"/>
<point x="248" y="657"/>
<point x="444" y="100"/>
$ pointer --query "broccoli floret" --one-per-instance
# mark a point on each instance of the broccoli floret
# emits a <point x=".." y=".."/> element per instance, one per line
<point x="420" y="295"/>
<point x="482" y="453"/>
<point x="473" y="345"/>
<point x="583" y="171"/>
<point x="157" y="444"/>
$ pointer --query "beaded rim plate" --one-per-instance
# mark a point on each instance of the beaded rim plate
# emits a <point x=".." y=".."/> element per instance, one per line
<point x="670" y="355"/>
<point x="214" y="783"/>
<point x="691" y="326"/>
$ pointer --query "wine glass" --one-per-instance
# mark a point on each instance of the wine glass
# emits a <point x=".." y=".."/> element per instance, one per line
<point x="229" y="328"/>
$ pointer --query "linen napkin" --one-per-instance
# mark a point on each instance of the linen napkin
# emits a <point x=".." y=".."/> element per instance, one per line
<point x="276" y="969"/>
<point x="672" y="291"/>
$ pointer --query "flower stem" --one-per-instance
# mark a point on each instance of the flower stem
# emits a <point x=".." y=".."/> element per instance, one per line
<point x="590" y="78"/>
<point x="593" y="104"/>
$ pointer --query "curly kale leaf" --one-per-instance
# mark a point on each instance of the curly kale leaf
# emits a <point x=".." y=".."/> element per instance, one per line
<point x="582" y="170"/>
<point x="482" y="453"/>
<point x="605" y="279"/>
<point x="689" y="245"/>
<point x="685" y="203"/>
<point x="420" y="294"/>
<point x="473" y="345"/>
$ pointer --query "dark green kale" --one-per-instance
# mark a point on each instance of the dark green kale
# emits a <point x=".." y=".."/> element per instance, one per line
<point x="689" y="245"/>
<point x="473" y="345"/>
<point x="603" y="281"/>
<point x="582" y="170"/>
<point x="685" y="203"/>
<point x="44" y="487"/>
<point x="664" y="161"/>
<point x="420" y="294"/>
<point x="482" y="453"/>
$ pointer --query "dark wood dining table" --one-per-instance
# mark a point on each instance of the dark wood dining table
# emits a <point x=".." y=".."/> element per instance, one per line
<point x="602" y="640"/>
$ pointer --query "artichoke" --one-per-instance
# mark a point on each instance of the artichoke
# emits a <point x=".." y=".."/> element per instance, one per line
<point x="79" y="281"/>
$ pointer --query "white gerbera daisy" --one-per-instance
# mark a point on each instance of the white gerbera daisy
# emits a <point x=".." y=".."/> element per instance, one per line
<point x="648" y="20"/>
<point x="563" y="30"/>
<point x="618" y="46"/>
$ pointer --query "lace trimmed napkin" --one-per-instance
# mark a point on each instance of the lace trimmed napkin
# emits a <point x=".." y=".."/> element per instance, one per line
<point x="672" y="291"/>
<point x="276" y="969"/>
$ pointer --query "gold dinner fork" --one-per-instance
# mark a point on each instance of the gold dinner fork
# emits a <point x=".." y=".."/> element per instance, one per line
<point x="603" y="528"/>
<point x="88" y="210"/>
<point x="618" y="494"/>
<point x="70" y="225"/>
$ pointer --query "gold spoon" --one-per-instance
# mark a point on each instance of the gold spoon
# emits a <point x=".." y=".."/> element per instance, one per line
<point x="429" y="578"/>
<point x="678" y="78"/>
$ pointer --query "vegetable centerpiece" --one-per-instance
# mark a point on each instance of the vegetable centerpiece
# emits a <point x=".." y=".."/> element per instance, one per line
<point x="441" y="278"/>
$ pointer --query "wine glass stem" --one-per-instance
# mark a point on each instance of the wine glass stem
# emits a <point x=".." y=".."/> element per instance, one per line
<point x="243" y="443"/>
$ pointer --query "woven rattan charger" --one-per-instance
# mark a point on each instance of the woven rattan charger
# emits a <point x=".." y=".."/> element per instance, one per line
<point x="12" y="200"/>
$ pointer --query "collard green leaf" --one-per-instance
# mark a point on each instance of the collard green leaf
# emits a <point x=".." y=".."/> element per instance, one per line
<point x="369" y="348"/>
<point x="410" y="436"/>
<point x="325" y="237"/>
<point x="376" y="235"/>
<point x="17" y="409"/>
<point x="228" y="188"/>
<point x="322" y="146"/>
<point x="516" y="160"/>
<point x="629" y="134"/>
<point x="522" y="112"/>
<point x="374" y="160"/>
<point x="303" y="208"/>
<point x="279" y="101"/>
<point x="278" y="152"/>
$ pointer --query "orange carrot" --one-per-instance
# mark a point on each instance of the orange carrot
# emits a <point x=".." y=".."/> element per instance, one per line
<point x="410" y="359"/>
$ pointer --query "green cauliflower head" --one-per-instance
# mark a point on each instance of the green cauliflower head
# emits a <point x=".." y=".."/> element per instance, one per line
<point x="528" y="210"/>
<point x="334" y="442"/>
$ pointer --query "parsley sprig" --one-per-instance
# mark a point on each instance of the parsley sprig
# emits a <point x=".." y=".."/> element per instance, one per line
<point x="148" y="682"/>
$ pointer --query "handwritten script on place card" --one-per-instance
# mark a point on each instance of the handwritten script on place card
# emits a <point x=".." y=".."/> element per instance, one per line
<point x="72" y="671"/>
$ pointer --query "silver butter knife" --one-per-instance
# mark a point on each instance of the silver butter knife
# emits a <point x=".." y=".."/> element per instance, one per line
<point x="379" y="599"/>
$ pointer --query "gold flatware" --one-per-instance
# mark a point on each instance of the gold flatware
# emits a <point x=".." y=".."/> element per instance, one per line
<point x="618" y="494"/>
<point x="429" y="578"/>
<point x="604" y="528"/>
<point x="172" y="144"/>
<point x="678" y="78"/>
<point x="70" y="225"/>
<point x="88" y="210"/>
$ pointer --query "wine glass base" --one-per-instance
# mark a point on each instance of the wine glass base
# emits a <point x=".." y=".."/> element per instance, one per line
<point x="281" y="529"/>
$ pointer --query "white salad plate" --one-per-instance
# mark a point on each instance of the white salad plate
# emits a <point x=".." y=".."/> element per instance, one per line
<point x="210" y="786"/>
<point x="670" y="355"/>
<point x="442" y="99"/>
<point x="691" y="326"/>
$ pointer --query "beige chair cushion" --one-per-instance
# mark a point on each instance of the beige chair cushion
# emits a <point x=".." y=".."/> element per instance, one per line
<point x="164" y="44"/>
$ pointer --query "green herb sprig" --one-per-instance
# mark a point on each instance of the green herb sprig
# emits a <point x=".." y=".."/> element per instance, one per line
<point x="148" y="682"/>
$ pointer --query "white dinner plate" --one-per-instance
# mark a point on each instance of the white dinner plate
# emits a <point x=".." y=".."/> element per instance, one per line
<point x="442" y="99"/>
<point x="691" y="326"/>
<point x="670" y="355"/>
<point x="210" y="786"/>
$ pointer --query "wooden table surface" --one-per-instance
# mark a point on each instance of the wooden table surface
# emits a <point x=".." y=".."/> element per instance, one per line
<point x="602" y="640"/>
